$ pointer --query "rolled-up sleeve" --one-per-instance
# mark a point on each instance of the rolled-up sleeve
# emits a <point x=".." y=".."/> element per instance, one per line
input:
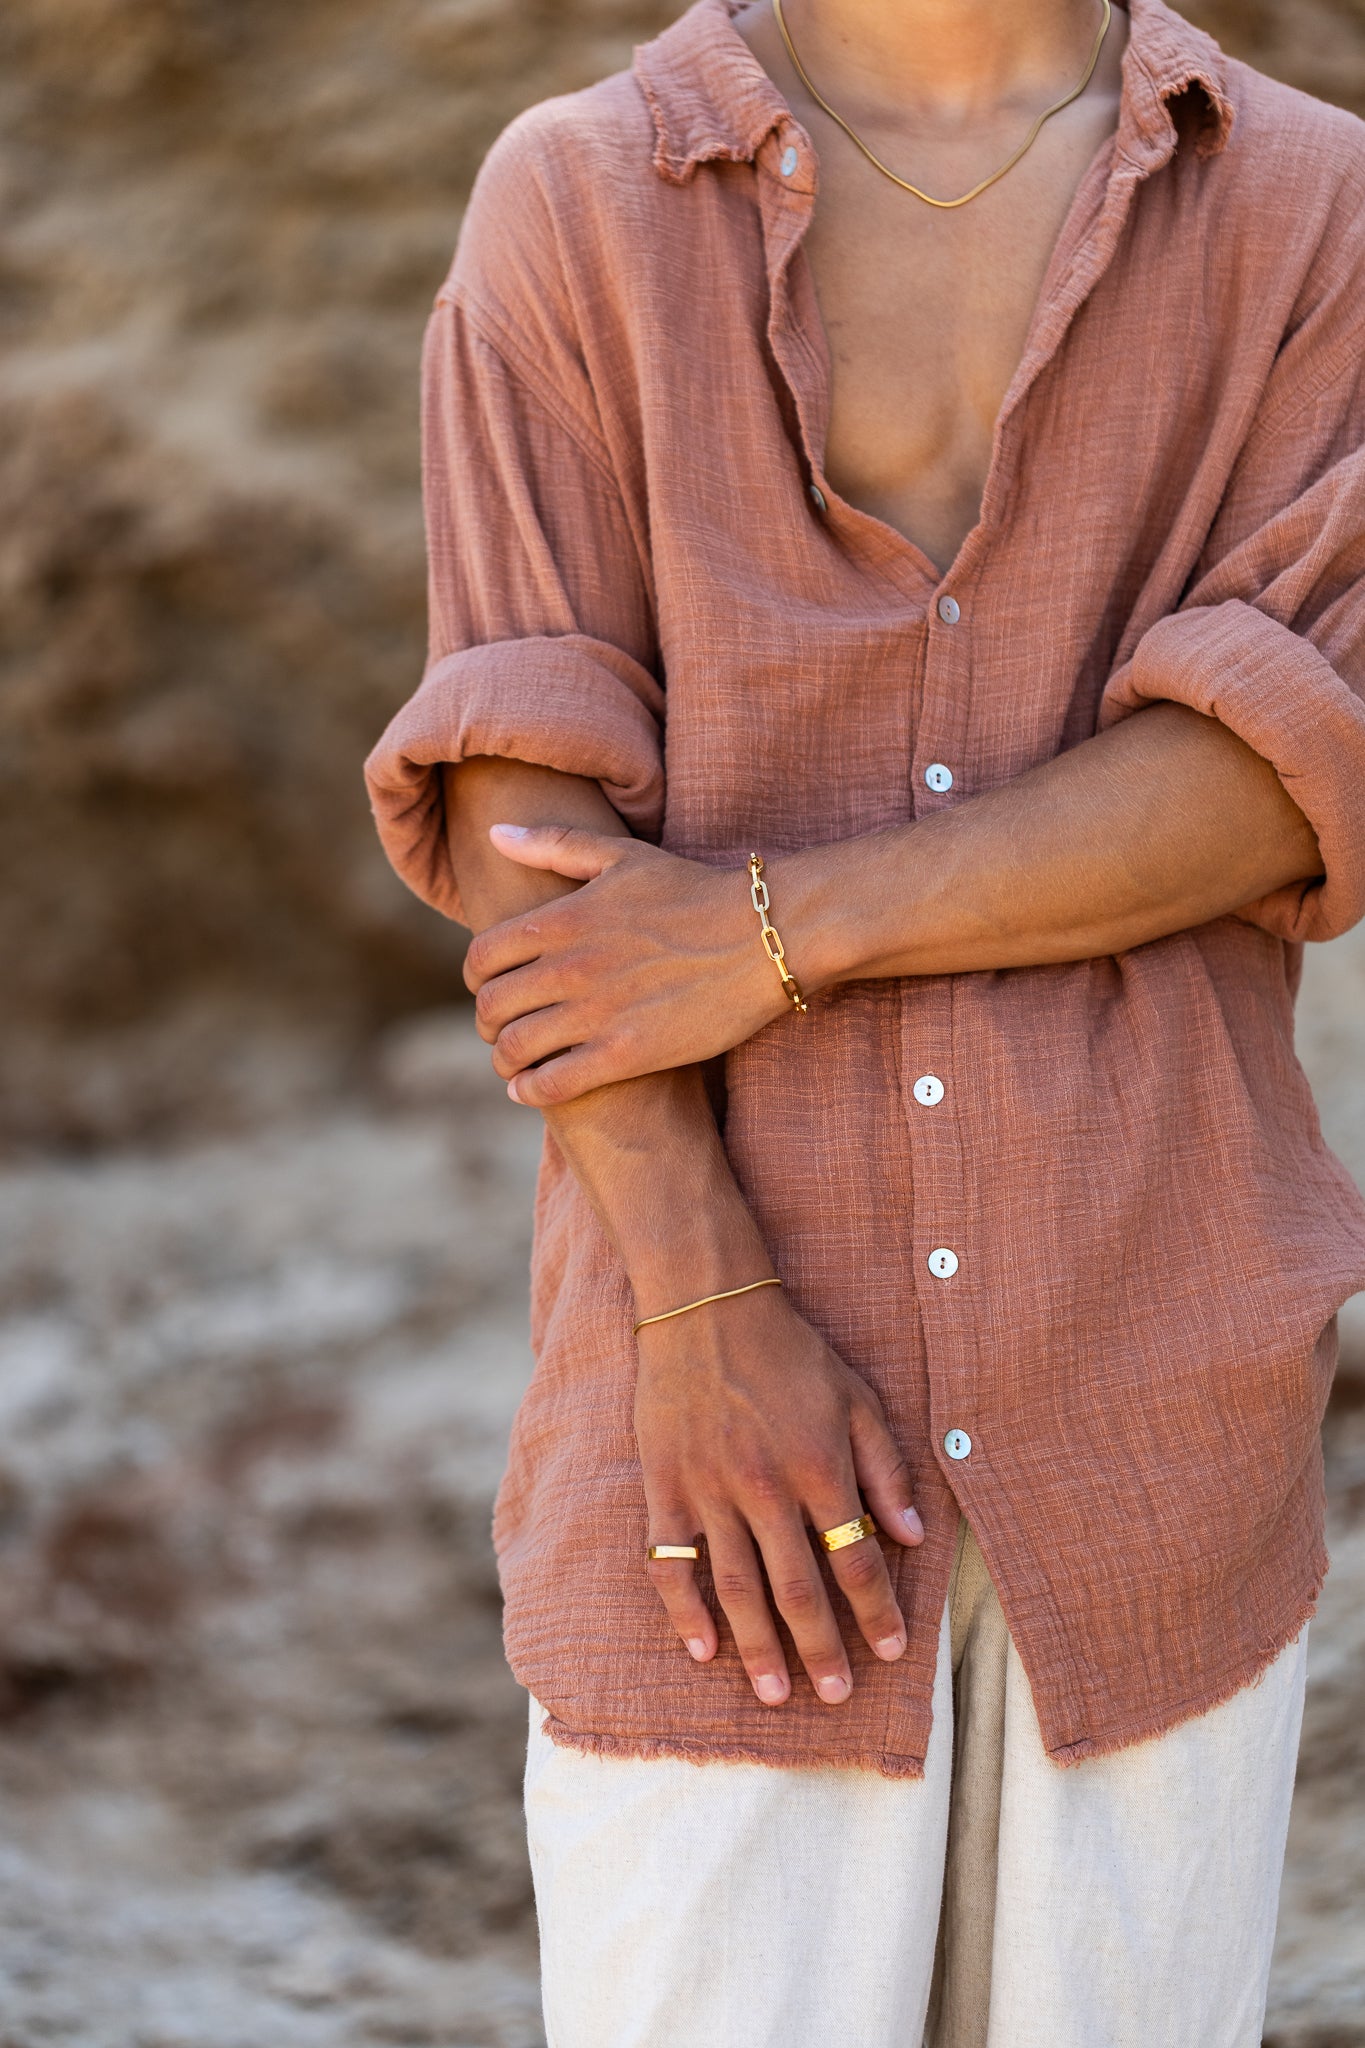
<point x="541" y="641"/>
<point x="1270" y="639"/>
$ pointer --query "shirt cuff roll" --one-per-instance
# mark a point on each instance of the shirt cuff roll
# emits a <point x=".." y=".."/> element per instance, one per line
<point x="563" y="701"/>
<point x="1272" y="687"/>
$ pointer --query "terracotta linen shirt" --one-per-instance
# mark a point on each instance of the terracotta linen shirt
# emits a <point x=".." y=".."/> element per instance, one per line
<point x="640" y="572"/>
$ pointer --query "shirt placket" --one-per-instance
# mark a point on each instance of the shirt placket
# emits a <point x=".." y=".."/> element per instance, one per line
<point x="947" y="1126"/>
<point x="943" y="677"/>
<point x="961" y="1283"/>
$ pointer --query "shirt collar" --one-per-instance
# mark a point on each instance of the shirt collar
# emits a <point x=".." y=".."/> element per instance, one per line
<point x="711" y="98"/>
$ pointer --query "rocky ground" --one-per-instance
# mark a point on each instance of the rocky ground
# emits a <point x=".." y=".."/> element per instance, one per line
<point x="259" y="1756"/>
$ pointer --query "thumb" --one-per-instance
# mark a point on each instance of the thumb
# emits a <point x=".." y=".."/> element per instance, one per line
<point x="569" y="850"/>
<point x="883" y="1474"/>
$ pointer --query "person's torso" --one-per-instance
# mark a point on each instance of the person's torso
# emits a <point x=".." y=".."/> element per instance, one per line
<point x="927" y="310"/>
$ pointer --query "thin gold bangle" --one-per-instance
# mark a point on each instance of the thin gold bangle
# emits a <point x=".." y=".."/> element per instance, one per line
<point x="726" y="1295"/>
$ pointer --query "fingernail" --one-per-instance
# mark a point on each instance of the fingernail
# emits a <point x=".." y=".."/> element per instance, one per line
<point x="512" y="831"/>
<point x="890" y="1647"/>
<point x="770" y="1689"/>
<point x="912" y="1524"/>
<point x="512" y="1091"/>
<point x="833" y="1689"/>
<point x="697" y="1647"/>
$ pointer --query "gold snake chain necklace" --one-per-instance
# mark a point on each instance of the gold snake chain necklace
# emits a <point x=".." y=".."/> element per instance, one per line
<point x="904" y="183"/>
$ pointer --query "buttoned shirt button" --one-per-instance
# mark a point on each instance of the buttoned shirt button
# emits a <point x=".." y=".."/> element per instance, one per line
<point x="929" y="1090"/>
<point x="957" y="1444"/>
<point x="817" y="497"/>
<point x="938" y="777"/>
<point x="949" y="610"/>
<point x="943" y="1263"/>
<point x="789" y="161"/>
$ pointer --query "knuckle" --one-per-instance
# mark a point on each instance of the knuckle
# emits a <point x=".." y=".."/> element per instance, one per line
<point x="825" y="1472"/>
<point x="548" y="1085"/>
<point x="671" y="1575"/>
<point x="799" y="1597"/>
<point x="823" y="1484"/>
<point x="620" y="1043"/>
<point x="861" y="1565"/>
<point x="511" y="1041"/>
<point x="735" y="1587"/>
<point x="758" y="1481"/>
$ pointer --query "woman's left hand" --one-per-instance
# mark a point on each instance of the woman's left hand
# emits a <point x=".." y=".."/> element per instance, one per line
<point x="655" y="963"/>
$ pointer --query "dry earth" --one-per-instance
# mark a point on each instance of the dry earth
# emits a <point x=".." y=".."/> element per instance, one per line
<point x="258" y="1752"/>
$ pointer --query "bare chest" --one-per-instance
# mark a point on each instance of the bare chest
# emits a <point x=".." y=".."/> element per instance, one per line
<point x="927" y="314"/>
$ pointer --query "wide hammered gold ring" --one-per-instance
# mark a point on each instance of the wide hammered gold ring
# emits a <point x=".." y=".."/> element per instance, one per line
<point x="848" y="1532"/>
<point x="658" y="1550"/>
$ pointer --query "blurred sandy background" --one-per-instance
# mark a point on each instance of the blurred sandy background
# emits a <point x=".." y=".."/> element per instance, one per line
<point x="263" y="1213"/>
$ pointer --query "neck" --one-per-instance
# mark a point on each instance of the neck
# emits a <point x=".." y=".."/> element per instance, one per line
<point x="948" y="58"/>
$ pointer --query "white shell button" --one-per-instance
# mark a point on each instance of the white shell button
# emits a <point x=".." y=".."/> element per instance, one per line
<point x="943" y="1263"/>
<point x="937" y="776"/>
<point x="957" y="1444"/>
<point x="817" y="497"/>
<point x="949" y="610"/>
<point x="788" y="161"/>
<point x="929" y="1090"/>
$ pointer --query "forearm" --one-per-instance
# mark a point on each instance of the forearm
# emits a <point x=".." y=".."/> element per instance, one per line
<point x="1160" y="824"/>
<point x="646" y="1152"/>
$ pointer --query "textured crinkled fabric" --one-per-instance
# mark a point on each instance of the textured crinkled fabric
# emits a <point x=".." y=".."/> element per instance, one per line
<point x="625" y="390"/>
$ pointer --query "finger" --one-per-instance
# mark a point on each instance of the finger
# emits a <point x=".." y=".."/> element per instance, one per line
<point x="564" y="849"/>
<point x="860" y="1572"/>
<point x="528" y="1039"/>
<point x="675" y="1582"/>
<point x="882" y="1473"/>
<point x="594" y="1064"/>
<point x="739" y="1588"/>
<point x="803" y="1603"/>
<point x="513" y="943"/>
<point x="513" y="994"/>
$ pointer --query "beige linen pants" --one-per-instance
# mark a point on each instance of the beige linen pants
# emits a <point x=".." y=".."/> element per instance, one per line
<point x="998" y="1902"/>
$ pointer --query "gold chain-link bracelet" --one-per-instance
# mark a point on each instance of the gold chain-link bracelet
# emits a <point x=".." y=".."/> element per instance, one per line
<point x="772" y="945"/>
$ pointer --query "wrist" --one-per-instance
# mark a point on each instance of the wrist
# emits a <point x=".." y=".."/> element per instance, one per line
<point x="716" y="1246"/>
<point x="649" y="1157"/>
<point x="658" y="1293"/>
<point x="832" y="908"/>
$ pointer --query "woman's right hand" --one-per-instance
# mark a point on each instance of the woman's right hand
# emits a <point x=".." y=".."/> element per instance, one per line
<point x="754" y="1435"/>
